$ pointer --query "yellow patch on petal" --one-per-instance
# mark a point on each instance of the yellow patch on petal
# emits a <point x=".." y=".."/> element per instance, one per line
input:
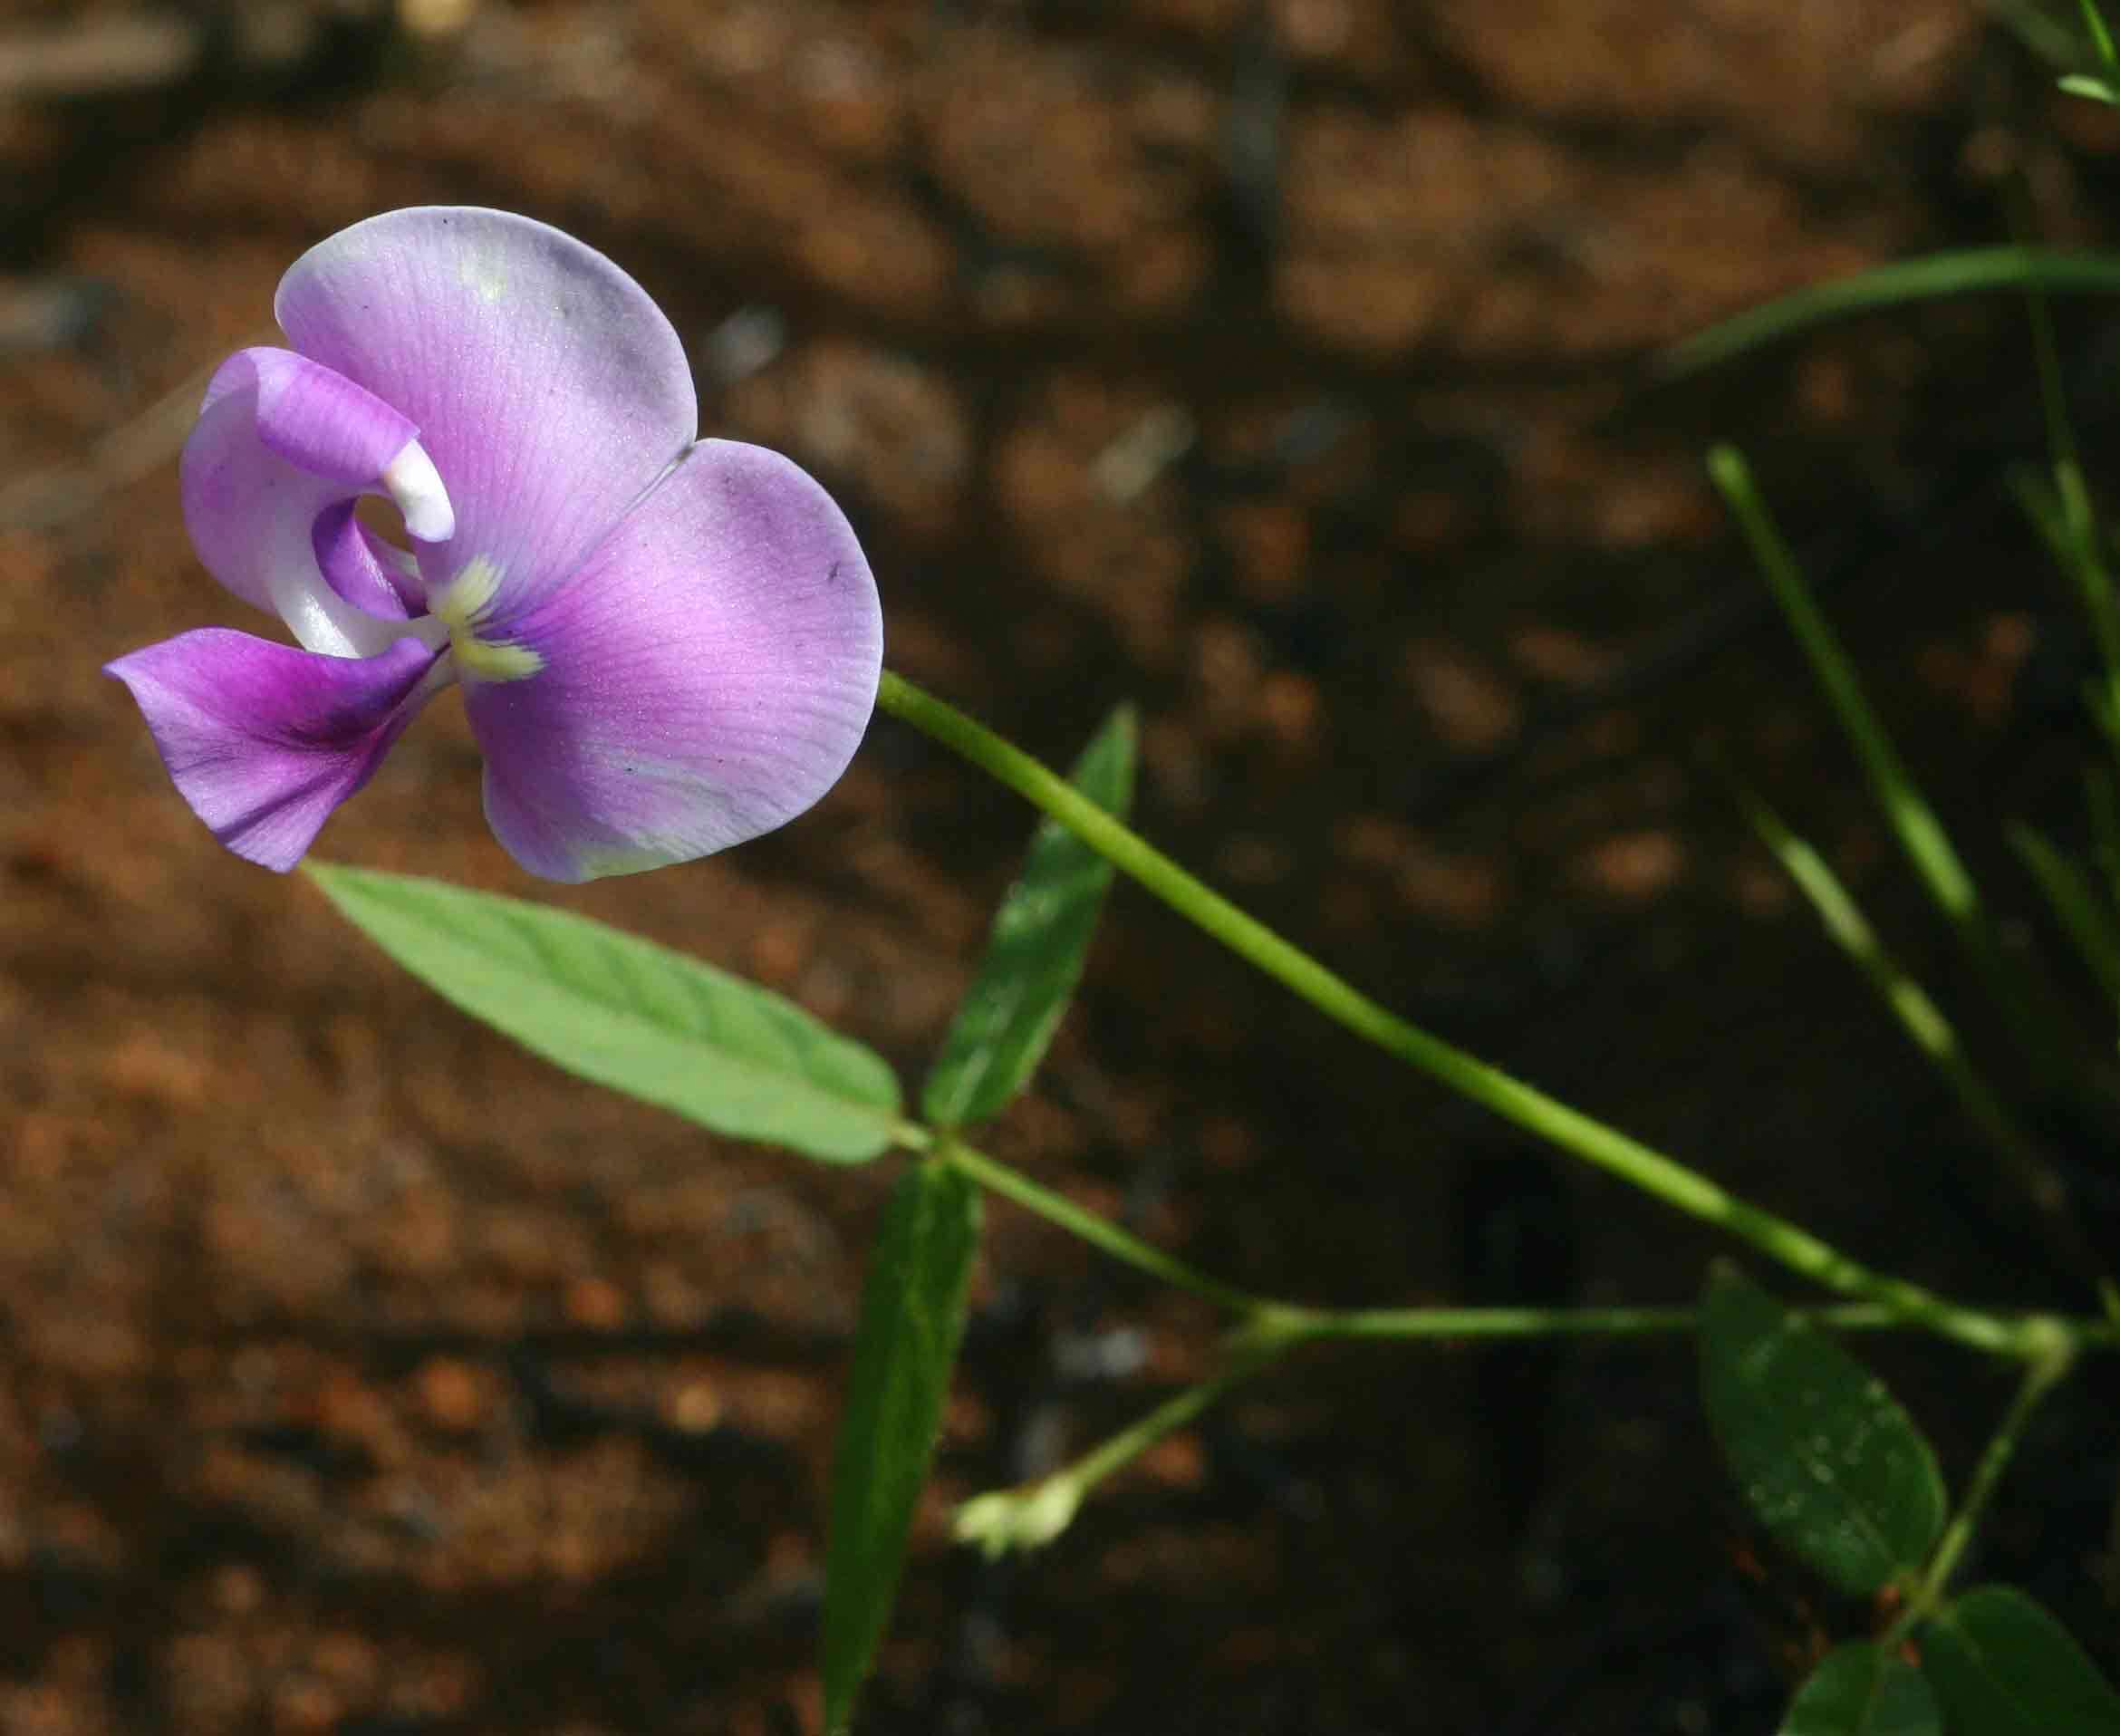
<point x="484" y="275"/>
<point x="461" y="606"/>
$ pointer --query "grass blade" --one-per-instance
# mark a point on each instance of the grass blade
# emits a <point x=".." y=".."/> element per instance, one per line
<point x="1913" y="822"/>
<point x="1919" y="1016"/>
<point x="2090" y="926"/>
<point x="1971" y="271"/>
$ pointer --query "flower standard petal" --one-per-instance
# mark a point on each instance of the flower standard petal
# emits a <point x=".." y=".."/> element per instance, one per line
<point x="263" y="740"/>
<point x="550" y="391"/>
<point x="704" y="677"/>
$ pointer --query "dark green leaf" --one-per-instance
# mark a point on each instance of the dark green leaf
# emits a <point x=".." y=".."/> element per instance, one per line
<point x="1824" y="1454"/>
<point x="1863" y="1689"/>
<point x="1034" y="954"/>
<point x="912" y="1316"/>
<point x="631" y="1015"/>
<point x="2002" y="1666"/>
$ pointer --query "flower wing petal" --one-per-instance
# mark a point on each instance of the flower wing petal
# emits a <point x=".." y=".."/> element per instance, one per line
<point x="317" y="420"/>
<point x="263" y="740"/>
<point x="705" y="675"/>
<point x="549" y="390"/>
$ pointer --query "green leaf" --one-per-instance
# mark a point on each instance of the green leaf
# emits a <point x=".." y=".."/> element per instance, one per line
<point x="1965" y="273"/>
<point x="1825" y="1456"/>
<point x="1862" y="1689"/>
<point x="2089" y="84"/>
<point x="631" y="1015"/>
<point x="912" y="1317"/>
<point x="1034" y="954"/>
<point x="2004" y="1666"/>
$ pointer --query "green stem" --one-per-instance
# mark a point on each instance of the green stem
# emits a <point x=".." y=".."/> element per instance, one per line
<point x="1099" y="1232"/>
<point x="1272" y="1321"/>
<point x="1293" y="1322"/>
<point x="1662" y="1178"/>
<point x="2047" y="1366"/>
<point x="1035" y="1513"/>
<point x="1173" y="1413"/>
<point x="1546" y="1323"/>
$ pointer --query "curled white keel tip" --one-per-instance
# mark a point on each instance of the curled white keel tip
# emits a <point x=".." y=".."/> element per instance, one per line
<point x="417" y="486"/>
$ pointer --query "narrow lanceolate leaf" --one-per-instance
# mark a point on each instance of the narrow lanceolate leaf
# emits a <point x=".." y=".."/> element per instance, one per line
<point x="2004" y="1666"/>
<point x="912" y="1317"/>
<point x="631" y="1015"/>
<point x="1825" y="1456"/>
<point x="1862" y="1689"/>
<point x="1034" y="954"/>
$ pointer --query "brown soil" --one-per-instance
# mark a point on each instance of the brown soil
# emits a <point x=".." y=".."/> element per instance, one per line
<point x="1282" y="367"/>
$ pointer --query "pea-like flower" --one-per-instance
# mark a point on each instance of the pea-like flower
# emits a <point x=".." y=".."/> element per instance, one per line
<point x="666" y="645"/>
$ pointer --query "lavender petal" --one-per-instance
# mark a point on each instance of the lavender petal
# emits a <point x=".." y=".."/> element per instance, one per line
<point x="705" y="675"/>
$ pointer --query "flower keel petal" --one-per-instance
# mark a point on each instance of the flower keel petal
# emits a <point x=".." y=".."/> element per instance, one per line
<point x="707" y="675"/>
<point x="263" y="740"/>
<point x="346" y="555"/>
<point x="253" y="510"/>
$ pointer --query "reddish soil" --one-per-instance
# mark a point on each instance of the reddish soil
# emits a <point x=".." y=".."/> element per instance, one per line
<point x="1283" y="367"/>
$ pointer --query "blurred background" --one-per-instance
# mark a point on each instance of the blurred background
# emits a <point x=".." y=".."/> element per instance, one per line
<point x="1286" y="366"/>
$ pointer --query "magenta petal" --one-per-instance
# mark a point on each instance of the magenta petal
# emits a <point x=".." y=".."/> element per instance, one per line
<point x="550" y="391"/>
<point x="264" y="740"/>
<point x="707" y="675"/>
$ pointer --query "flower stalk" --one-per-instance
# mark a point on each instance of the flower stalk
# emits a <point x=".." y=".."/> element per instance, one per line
<point x="1594" y="1142"/>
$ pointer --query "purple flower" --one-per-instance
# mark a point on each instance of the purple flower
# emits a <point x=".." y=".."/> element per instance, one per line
<point x="666" y="645"/>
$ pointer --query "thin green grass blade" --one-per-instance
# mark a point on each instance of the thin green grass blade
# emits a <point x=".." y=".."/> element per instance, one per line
<point x="1924" y="1021"/>
<point x="2105" y="819"/>
<point x="1915" y="823"/>
<point x="2073" y="542"/>
<point x="2090" y="926"/>
<point x="2045" y="35"/>
<point x="1938" y="276"/>
<point x="2072" y="530"/>
<point x="2094" y="24"/>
